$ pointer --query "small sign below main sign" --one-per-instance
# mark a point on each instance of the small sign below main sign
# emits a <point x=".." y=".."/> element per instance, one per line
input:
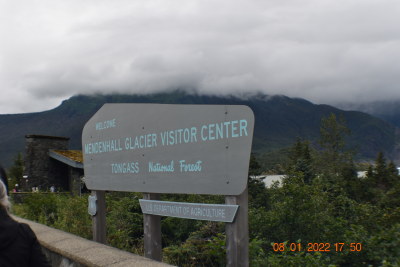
<point x="92" y="205"/>
<point x="206" y="212"/>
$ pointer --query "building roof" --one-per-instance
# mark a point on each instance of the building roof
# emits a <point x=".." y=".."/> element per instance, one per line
<point x="40" y="136"/>
<point x="72" y="158"/>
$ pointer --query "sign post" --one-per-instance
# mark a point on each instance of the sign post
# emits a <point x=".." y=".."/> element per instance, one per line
<point x="99" y="217"/>
<point x="152" y="232"/>
<point x="181" y="149"/>
<point x="237" y="232"/>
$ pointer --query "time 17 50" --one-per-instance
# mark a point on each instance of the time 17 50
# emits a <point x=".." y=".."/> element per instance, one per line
<point x="320" y="247"/>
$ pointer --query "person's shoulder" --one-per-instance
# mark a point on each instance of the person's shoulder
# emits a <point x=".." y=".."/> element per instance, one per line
<point x="37" y="258"/>
<point x="26" y="231"/>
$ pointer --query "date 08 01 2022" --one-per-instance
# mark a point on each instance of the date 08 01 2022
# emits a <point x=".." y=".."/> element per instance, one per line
<point x="320" y="247"/>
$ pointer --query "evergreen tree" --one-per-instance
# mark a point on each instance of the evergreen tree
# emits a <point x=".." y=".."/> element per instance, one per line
<point x="301" y="160"/>
<point x="381" y="178"/>
<point x="334" y="163"/>
<point x="381" y="174"/>
<point x="370" y="172"/>
<point x="16" y="171"/>
<point x="254" y="167"/>
<point x="257" y="192"/>
<point x="332" y="133"/>
<point x="393" y="174"/>
<point x="384" y="176"/>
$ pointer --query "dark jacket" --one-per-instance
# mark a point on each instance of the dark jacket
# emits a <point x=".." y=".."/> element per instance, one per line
<point x="19" y="246"/>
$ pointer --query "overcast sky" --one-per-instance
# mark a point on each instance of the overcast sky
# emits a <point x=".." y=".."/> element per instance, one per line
<point x="321" y="50"/>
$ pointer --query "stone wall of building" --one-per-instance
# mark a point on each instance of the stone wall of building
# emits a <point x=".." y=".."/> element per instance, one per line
<point x="41" y="170"/>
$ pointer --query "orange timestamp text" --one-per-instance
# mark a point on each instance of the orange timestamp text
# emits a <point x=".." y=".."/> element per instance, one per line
<point x="317" y="247"/>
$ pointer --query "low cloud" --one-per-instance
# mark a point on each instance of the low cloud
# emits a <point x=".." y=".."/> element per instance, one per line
<point x="325" y="51"/>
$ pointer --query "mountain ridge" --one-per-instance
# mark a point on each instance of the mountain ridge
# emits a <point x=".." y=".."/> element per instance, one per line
<point x="388" y="110"/>
<point x="280" y="120"/>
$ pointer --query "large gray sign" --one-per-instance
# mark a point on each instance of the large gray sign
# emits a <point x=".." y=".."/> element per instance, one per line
<point x="159" y="148"/>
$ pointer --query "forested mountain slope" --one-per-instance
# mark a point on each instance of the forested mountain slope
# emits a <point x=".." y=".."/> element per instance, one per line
<point x="279" y="121"/>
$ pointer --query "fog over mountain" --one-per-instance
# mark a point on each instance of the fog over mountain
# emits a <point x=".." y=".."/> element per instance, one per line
<point x="325" y="51"/>
<point x="388" y="110"/>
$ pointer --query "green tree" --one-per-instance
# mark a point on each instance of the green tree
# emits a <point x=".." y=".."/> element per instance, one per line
<point x="393" y="174"/>
<point x="382" y="175"/>
<point x="333" y="131"/>
<point x="254" y="166"/>
<point x="332" y="141"/>
<point x="16" y="171"/>
<point x="300" y="160"/>
<point x="257" y="192"/>
<point x="334" y="163"/>
<point x="380" y="171"/>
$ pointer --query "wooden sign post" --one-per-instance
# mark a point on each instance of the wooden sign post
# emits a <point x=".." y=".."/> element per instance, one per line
<point x="99" y="218"/>
<point x="237" y="232"/>
<point x="152" y="232"/>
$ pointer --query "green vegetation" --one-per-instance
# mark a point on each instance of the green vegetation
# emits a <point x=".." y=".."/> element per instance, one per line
<point x="321" y="214"/>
